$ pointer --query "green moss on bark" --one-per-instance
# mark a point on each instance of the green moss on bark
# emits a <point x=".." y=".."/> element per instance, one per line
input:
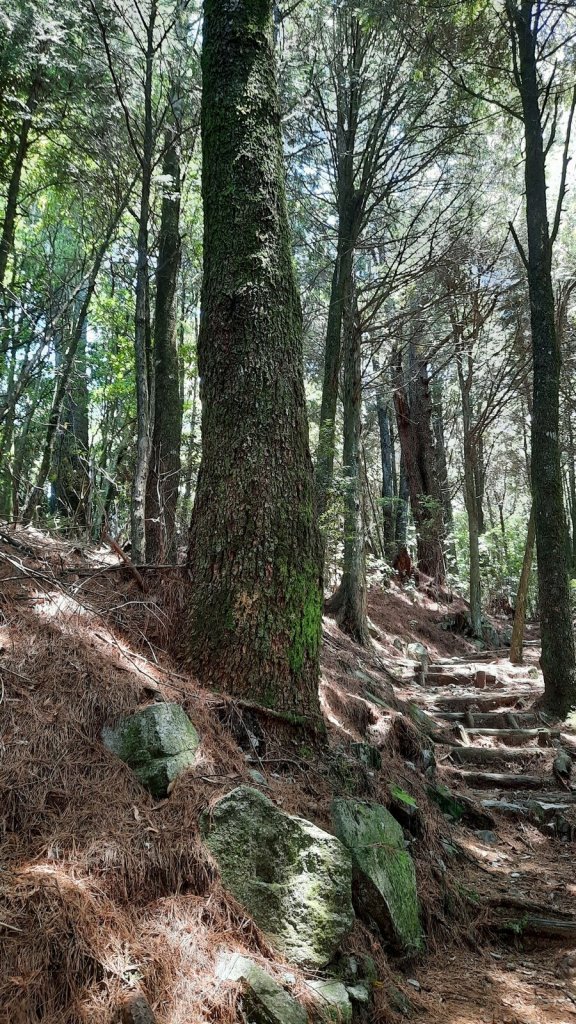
<point x="255" y="554"/>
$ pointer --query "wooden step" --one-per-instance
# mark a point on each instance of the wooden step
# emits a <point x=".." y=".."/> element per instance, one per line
<point x="477" y="701"/>
<point x="517" y="736"/>
<point x="510" y="755"/>
<point x="503" y="780"/>
<point x="491" y="719"/>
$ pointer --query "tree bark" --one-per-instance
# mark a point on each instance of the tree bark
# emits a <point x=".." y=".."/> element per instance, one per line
<point x="558" y="656"/>
<point x="388" y="495"/>
<point x="465" y="377"/>
<point x="438" y="426"/>
<point x="9" y="223"/>
<point x="71" y="470"/>
<point x="413" y="415"/>
<point x="402" y="510"/>
<point x="351" y="613"/>
<point x="255" y="597"/>
<point x="164" y="471"/>
<point x="142" y="334"/>
<point x="517" y="640"/>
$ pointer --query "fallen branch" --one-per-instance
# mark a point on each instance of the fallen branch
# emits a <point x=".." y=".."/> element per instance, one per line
<point x="127" y="562"/>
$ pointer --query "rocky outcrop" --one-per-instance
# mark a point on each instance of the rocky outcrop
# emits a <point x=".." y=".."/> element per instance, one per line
<point x="264" y="999"/>
<point x="294" y="879"/>
<point x="157" y="743"/>
<point x="384" y="876"/>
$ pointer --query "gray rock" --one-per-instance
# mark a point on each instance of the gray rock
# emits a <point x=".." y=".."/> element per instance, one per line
<point x="487" y="836"/>
<point x="384" y="876"/>
<point x="157" y="743"/>
<point x="135" y="1009"/>
<point x="294" y="879"/>
<point x="367" y="754"/>
<point x="359" y="993"/>
<point x="265" y="1001"/>
<point x="332" y="1000"/>
<point x="418" y="652"/>
<point x="257" y="777"/>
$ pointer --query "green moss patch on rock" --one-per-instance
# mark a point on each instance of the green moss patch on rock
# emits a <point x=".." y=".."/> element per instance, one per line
<point x="294" y="879"/>
<point x="332" y="1000"/>
<point x="264" y="1000"/>
<point x="384" y="876"/>
<point x="157" y="743"/>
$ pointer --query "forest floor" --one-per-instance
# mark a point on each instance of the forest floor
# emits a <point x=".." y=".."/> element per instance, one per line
<point x="103" y="889"/>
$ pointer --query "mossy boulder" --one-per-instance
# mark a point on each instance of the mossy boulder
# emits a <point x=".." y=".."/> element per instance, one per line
<point x="384" y="876"/>
<point x="157" y="743"/>
<point x="332" y="1000"/>
<point x="265" y="1001"/>
<point x="294" y="879"/>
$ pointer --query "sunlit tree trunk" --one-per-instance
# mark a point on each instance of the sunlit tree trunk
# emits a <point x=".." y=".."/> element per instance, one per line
<point x="164" y="471"/>
<point x="255" y="596"/>
<point x="558" y="657"/>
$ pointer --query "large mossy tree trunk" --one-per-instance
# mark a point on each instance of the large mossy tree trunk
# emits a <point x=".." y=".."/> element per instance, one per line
<point x="164" y="470"/>
<point x="255" y="595"/>
<point x="558" y="656"/>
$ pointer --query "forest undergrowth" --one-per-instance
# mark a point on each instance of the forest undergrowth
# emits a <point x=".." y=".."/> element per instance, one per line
<point x="106" y="891"/>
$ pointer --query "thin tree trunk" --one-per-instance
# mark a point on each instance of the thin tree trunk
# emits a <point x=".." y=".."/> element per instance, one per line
<point x="64" y="371"/>
<point x="164" y="472"/>
<point x="351" y="600"/>
<point x="9" y="223"/>
<point x="558" y="656"/>
<point x="517" y="640"/>
<point x="388" y="495"/>
<point x="402" y="507"/>
<point x="142" y="336"/>
<point x="71" y="472"/>
<point x="255" y="596"/>
<point x="341" y="283"/>
<point x="465" y="379"/>
<point x="438" y="425"/>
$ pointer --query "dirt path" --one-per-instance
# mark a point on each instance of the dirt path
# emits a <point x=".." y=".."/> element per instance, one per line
<point x="515" y="765"/>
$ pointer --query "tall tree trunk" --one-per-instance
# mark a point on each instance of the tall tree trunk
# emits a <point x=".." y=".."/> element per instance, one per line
<point x="255" y="597"/>
<point x="402" y="507"/>
<point x="164" y="472"/>
<point x="517" y="640"/>
<point x="558" y="656"/>
<point x="341" y="284"/>
<point x="438" y="426"/>
<point x="388" y="495"/>
<point x="71" y="468"/>
<point x="9" y="222"/>
<point x="413" y="415"/>
<point x="572" y="485"/>
<point x="465" y="367"/>
<point x="142" y="335"/>
<point x="350" y="599"/>
<point x="63" y="375"/>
